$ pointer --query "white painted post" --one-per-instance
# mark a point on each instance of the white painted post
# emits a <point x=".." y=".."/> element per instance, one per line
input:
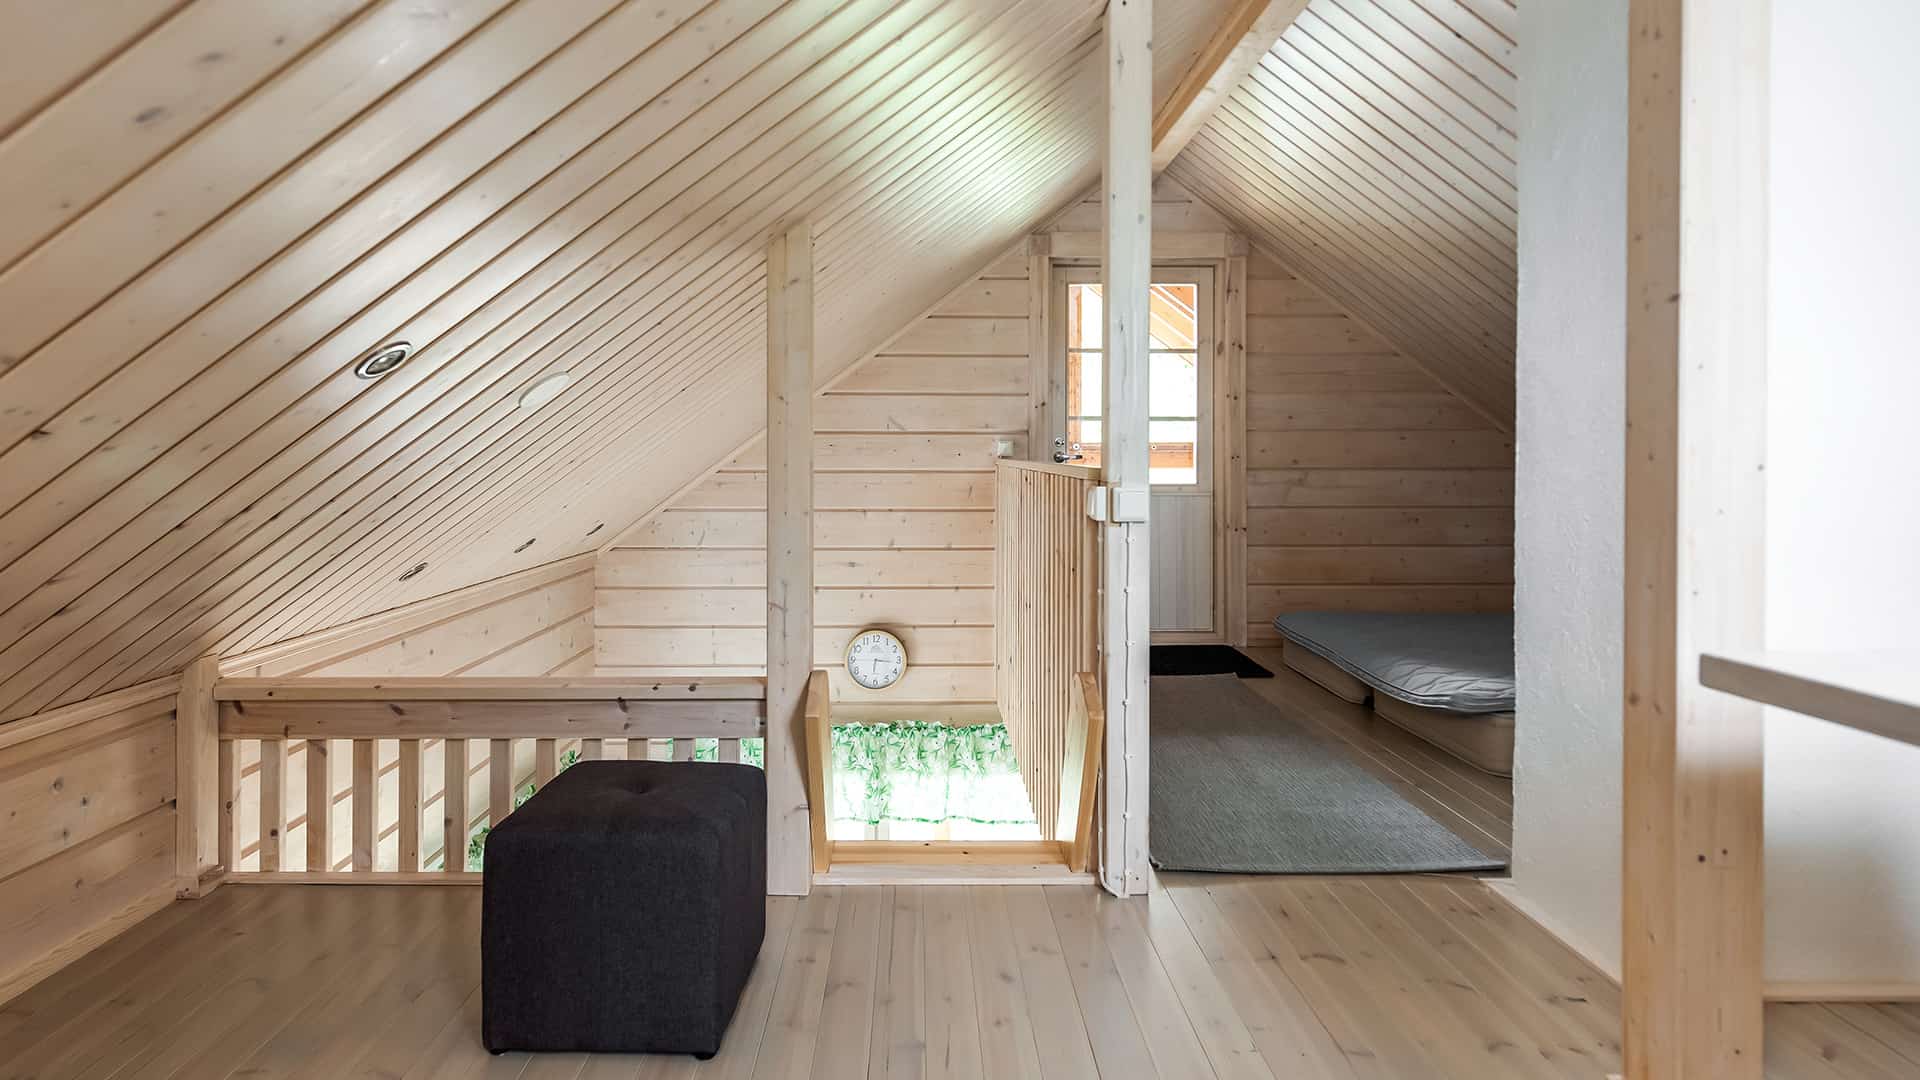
<point x="789" y="556"/>
<point x="1127" y="270"/>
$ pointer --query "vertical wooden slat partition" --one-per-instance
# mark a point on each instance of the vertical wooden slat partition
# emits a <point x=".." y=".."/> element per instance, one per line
<point x="494" y="737"/>
<point x="1046" y="609"/>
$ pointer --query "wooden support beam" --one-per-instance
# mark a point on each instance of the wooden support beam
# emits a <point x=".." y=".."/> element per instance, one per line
<point x="1695" y="448"/>
<point x="1127" y="277"/>
<point x="197" y="779"/>
<point x="789" y="556"/>
<point x="1244" y="36"/>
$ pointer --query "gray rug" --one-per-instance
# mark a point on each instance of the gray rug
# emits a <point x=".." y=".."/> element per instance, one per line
<point x="1241" y="787"/>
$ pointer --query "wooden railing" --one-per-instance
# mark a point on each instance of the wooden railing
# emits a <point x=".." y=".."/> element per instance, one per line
<point x="1046" y="616"/>
<point x="417" y="748"/>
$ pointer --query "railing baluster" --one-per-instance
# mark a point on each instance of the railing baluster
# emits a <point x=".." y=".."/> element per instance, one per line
<point x="592" y="749"/>
<point x="728" y="750"/>
<point x="273" y="802"/>
<point x="453" y="807"/>
<point x="319" y="808"/>
<point x="366" y="805"/>
<point x="229" y="805"/>
<point x="500" y="765"/>
<point x="546" y="761"/>
<point x="637" y="750"/>
<point x="409" y="805"/>
<point x="682" y="749"/>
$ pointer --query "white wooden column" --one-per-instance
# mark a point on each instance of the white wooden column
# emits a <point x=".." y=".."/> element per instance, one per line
<point x="1127" y="270"/>
<point x="1695" y="499"/>
<point x="789" y="556"/>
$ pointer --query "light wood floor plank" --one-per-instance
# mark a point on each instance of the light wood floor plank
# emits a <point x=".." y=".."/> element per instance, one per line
<point x="1059" y="1031"/>
<point x="846" y="1011"/>
<point x="898" y="1045"/>
<point x="793" y="1020"/>
<point x="1119" y="1044"/>
<point x="1310" y="978"/>
<point x="1000" y="1003"/>
<point x="1285" y="1027"/>
<point x="953" y="1020"/>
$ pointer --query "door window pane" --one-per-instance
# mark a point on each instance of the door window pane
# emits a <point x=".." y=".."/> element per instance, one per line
<point x="1172" y="452"/>
<point x="1173" y="386"/>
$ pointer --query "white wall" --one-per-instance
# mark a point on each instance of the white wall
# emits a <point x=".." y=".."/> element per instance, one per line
<point x="1843" y="520"/>
<point x="1843" y="810"/>
<point x="1569" y="484"/>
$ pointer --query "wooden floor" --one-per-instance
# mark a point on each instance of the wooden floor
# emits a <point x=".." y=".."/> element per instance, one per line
<point x="1210" y="976"/>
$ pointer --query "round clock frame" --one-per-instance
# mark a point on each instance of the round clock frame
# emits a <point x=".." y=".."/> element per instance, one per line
<point x="891" y="639"/>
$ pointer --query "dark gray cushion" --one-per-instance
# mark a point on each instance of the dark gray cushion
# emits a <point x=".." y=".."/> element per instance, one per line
<point x="1463" y="663"/>
<point x="624" y="908"/>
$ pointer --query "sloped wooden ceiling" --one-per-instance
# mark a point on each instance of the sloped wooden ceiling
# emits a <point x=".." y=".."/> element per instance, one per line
<point x="210" y="210"/>
<point x="1372" y="149"/>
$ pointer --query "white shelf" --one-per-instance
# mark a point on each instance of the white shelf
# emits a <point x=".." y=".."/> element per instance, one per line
<point x="1878" y="692"/>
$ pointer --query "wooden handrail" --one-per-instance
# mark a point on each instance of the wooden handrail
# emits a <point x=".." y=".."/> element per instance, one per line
<point x="820" y="767"/>
<point x="723" y="708"/>
<point x="1080" y="773"/>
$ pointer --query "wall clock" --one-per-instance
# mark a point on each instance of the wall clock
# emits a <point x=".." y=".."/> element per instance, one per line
<point x="876" y="659"/>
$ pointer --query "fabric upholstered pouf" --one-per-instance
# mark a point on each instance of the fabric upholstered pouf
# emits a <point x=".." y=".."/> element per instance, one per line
<point x="624" y="907"/>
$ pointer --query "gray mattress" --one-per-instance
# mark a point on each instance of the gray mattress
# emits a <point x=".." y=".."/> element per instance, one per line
<point x="1462" y="663"/>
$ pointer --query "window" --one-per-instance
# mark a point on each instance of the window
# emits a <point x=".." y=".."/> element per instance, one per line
<point x="1179" y="336"/>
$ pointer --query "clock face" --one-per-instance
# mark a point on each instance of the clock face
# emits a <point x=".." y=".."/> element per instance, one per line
<point x="876" y="659"/>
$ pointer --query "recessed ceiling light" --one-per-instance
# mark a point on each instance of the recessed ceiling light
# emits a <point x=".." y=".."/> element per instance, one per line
<point x="382" y="360"/>
<point x="544" y="390"/>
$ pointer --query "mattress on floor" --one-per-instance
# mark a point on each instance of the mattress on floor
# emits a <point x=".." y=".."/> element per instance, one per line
<point x="1460" y="663"/>
<point x="1325" y="672"/>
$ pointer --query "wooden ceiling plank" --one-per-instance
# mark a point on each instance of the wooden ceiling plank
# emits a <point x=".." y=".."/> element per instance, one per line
<point x="1479" y="232"/>
<point x="185" y="73"/>
<point x="50" y="48"/>
<point x="855" y="168"/>
<point x="1305" y="68"/>
<point x="1246" y="33"/>
<point x="253" y="452"/>
<point x="1354" y="196"/>
<point x="221" y="404"/>
<point x="494" y="510"/>
<point x="228" y="253"/>
<point x="894" y="187"/>
<point x="1361" y="292"/>
<point x="1406" y="293"/>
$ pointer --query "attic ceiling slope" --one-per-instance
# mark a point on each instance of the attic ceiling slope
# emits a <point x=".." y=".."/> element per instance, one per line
<point x="1372" y="149"/>
<point x="214" y="208"/>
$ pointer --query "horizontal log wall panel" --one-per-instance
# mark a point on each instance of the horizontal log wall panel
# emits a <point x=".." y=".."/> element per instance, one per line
<point x="708" y="647"/>
<point x="221" y="204"/>
<point x="672" y="567"/>
<point x="848" y="491"/>
<point x="1370" y="487"/>
<point x="903" y="522"/>
<point x="831" y="529"/>
<point x="88" y="849"/>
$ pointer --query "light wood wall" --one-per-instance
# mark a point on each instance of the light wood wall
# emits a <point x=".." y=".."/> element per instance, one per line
<point x="1369" y="486"/>
<point x="87" y="794"/>
<point x="903" y="518"/>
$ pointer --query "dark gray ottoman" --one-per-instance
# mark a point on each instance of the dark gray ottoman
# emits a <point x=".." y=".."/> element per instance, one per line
<point x="624" y="907"/>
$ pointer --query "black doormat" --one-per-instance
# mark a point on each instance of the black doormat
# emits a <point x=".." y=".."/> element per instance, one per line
<point x="1205" y="660"/>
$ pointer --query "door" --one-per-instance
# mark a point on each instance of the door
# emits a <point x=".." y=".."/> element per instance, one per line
<point x="1180" y="428"/>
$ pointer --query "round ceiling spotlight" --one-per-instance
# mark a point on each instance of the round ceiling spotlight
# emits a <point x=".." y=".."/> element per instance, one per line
<point x="382" y="360"/>
<point x="544" y="390"/>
